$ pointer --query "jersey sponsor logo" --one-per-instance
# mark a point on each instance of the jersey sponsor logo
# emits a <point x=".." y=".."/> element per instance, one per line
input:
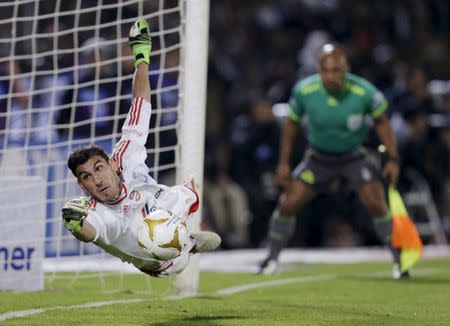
<point x="135" y="195"/>
<point x="155" y="198"/>
<point x="354" y="122"/>
<point x="158" y="193"/>
<point x="132" y="131"/>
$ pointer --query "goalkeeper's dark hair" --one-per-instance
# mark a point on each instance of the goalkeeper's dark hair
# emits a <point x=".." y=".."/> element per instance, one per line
<point x="82" y="154"/>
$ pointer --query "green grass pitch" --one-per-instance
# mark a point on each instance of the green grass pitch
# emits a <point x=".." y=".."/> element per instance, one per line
<point x="313" y="294"/>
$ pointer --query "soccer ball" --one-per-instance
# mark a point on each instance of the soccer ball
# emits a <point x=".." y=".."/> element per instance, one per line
<point x="162" y="235"/>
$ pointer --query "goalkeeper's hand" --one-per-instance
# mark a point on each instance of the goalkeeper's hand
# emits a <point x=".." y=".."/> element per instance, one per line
<point x="140" y="42"/>
<point x="73" y="213"/>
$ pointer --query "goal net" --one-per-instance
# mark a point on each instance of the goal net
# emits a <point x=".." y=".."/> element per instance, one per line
<point x="65" y="81"/>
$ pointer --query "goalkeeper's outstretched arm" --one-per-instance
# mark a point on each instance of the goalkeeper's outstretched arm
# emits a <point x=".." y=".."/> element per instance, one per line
<point x="130" y="152"/>
<point x="141" y="85"/>
<point x="87" y="233"/>
<point x="74" y="213"/>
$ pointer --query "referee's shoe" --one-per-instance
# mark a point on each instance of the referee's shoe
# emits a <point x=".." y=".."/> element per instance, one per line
<point x="268" y="266"/>
<point x="397" y="273"/>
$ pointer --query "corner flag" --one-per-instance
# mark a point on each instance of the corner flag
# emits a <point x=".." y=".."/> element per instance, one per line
<point x="404" y="232"/>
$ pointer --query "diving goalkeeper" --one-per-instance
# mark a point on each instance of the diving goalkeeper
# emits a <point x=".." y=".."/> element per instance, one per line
<point x="121" y="191"/>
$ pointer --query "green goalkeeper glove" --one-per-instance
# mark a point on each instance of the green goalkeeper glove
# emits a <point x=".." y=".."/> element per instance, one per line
<point x="73" y="213"/>
<point x="140" y="42"/>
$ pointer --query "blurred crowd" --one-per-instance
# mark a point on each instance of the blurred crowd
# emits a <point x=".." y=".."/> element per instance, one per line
<point x="257" y="51"/>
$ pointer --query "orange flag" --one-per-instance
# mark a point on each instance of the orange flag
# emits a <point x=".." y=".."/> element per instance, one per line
<point x="404" y="232"/>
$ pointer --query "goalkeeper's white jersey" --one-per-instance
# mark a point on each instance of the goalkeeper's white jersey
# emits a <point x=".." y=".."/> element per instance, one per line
<point x="117" y="224"/>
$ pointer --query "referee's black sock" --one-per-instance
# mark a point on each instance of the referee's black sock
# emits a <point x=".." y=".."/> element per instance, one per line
<point x="280" y="231"/>
<point x="383" y="228"/>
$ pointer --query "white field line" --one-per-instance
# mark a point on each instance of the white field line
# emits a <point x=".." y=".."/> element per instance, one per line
<point x="24" y="313"/>
<point x="259" y="285"/>
<point x="224" y="291"/>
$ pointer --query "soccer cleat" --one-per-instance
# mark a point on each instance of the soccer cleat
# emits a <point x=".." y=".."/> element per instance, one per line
<point x="397" y="274"/>
<point x="205" y="241"/>
<point x="140" y="42"/>
<point x="268" y="266"/>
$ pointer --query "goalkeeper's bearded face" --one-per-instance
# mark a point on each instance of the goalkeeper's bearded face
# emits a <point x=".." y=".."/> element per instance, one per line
<point x="99" y="178"/>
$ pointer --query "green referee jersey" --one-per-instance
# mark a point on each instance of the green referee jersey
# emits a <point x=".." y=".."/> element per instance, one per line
<point x="336" y="122"/>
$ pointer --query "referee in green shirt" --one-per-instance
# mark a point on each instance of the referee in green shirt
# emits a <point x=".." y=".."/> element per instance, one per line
<point x="336" y="105"/>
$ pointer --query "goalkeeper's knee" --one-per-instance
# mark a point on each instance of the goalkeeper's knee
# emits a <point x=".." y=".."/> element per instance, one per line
<point x="140" y="42"/>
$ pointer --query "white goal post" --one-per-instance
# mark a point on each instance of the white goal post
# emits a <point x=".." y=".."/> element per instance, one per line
<point x="193" y="128"/>
<point x="65" y="81"/>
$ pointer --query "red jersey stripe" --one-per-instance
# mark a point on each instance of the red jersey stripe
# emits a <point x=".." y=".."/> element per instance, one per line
<point x="139" y="107"/>
<point x="121" y="154"/>
<point x="116" y="153"/>
<point x="132" y="110"/>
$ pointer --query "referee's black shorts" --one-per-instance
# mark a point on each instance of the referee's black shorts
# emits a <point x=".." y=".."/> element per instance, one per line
<point x="318" y="169"/>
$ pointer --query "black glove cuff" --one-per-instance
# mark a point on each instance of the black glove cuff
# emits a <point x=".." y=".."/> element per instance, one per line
<point x="68" y="215"/>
